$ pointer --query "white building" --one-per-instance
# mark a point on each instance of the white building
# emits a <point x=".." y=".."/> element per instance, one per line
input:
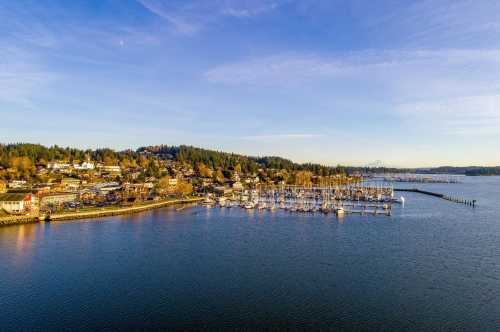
<point x="237" y="185"/>
<point x="57" y="166"/>
<point x="85" y="166"/>
<point x="17" y="184"/>
<point x="16" y="202"/>
<point x="111" y="169"/>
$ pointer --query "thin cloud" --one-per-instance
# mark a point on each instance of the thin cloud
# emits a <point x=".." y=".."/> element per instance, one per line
<point x="247" y="12"/>
<point x="435" y="22"/>
<point x="457" y="88"/>
<point x="279" y="137"/>
<point x="469" y="116"/>
<point x="188" y="18"/>
<point x="21" y="77"/>
<point x="281" y="69"/>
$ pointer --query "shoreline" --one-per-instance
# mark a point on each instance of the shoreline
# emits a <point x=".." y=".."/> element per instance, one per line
<point x="98" y="213"/>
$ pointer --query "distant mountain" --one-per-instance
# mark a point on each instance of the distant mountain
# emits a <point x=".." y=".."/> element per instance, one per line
<point x="376" y="164"/>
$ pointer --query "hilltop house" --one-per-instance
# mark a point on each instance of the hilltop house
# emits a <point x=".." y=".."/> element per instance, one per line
<point x="58" y="166"/>
<point x="84" y="166"/>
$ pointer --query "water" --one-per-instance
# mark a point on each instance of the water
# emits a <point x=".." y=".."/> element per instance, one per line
<point x="433" y="265"/>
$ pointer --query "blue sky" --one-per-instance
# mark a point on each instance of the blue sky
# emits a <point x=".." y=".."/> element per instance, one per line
<point x="409" y="83"/>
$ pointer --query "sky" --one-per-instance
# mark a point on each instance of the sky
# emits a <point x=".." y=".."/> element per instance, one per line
<point x="396" y="83"/>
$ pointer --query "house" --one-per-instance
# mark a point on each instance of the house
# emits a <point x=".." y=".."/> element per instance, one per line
<point x="237" y="185"/>
<point x="17" y="184"/>
<point x="70" y="183"/>
<point x="40" y="170"/>
<point x="223" y="191"/>
<point x="104" y="190"/>
<point x="58" y="166"/>
<point x="84" y="166"/>
<point x="14" y="203"/>
<point x="111" y="169"/>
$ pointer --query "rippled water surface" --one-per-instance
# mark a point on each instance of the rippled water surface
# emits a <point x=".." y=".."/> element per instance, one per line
<point x="433" y="265"/>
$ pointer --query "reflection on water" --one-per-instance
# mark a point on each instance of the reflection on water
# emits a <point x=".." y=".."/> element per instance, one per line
<point x="433" y="265"/>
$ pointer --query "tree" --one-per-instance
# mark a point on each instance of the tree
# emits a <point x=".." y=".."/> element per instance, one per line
<point x="237" y="169"/>
<point x="218" y="176"/>
<point x="143" y="161"/>
<point x="303" y="178"/>
<point x="202" y="170"/>
<point x="183" y="188"/>
<point x="163" y="185"/>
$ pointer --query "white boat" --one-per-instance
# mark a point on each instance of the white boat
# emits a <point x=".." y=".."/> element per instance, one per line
<point x="207" y="202"/>
<point x="249" y="206"/>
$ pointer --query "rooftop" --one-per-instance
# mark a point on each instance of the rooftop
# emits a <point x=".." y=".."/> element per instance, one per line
<point x="12" y="197"/>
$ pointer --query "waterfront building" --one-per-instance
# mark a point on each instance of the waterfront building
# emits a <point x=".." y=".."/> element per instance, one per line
<point x="14" y="203"/>
<point x="57" y="199"/>
<point x="223" y="191"/>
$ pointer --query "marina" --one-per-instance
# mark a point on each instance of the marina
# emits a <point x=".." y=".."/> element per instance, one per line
<point x="340" y="200"/>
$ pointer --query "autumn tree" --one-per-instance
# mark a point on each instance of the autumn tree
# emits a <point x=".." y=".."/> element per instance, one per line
<point x="303" y="178"/>
<point x="218" y="176"/>
<point x="203" y="170"/>
<point x="183" y="187"/>
<point x="163" y="186"/>
<point x="237" y="168"/>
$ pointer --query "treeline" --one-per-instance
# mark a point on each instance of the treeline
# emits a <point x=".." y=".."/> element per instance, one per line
<point x="483" y="171"/>
<point x="41" y="155"/>
<point x="228" y="161"/>
<point x="19" y="161"/>
<point x="194" y="156"/>
<point x="468" y="170"/>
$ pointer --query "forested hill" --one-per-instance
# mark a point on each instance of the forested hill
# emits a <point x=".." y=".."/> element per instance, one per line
<point x="24" y="156"/>
<point x="225" y="160"/>
<point x="469" y="170"/>
<point x="39" y="154"/>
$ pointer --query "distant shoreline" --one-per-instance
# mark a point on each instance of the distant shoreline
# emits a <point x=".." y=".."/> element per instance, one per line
<point x="96" y="213"/>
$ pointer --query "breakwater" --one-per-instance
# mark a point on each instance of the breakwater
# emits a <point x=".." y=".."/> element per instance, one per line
<point x="438" y="195"/>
